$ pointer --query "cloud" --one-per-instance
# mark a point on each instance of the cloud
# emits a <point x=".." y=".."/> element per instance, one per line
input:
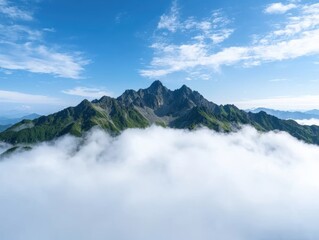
<point x="91" y="93"/>
<point x="162" y="184"/>
<point x="24" y="48"/>
<point x="41" y="59"/>
<point x="171" y="56"/>
<point x="296" y="37"/>
<point x="18" y="97"/>
<point x="120" y="17"/>
<point x="279" y="8"/>
<point x="14" y="12"/>
<point x="203" y="29"/>
<point x="170" y="21"/>
<point x="308" y="19"/>
<point x="221" y="36"/>
<point x="282" y="103"/>
<point x="308" y="122"/>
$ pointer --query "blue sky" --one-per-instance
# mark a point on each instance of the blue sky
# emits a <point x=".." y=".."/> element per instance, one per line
<point x="55" y="53"/>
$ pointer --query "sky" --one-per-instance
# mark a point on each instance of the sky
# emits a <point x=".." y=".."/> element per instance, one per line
<point x="55" y="53"/>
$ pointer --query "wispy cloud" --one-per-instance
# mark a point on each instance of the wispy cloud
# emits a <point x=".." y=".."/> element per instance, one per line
<point x="91" y="93"/>
<point x="15" y="33"/>
<point x="279" y="8"/>
<point x="25" y="98"/>
<point x="297" y="36"/>
<point x="24" y="48"/>
<point x="202" y="35"/>
<point x="41" y="59"/>
<point x="170" y="21"/>
<point x="120" y="17"/>
<point x="14" y="12"/>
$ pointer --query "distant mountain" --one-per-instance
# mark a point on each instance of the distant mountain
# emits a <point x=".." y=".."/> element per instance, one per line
<point x="313" y="114"/>
<point x="4" y="127"/>
<point x="5" y="122"/>
<point x="181" y="108"/>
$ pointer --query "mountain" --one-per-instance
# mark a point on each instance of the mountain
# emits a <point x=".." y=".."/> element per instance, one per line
<point x="8" y="121"/>
<point x="5" y="122"/>
<point x="313" y="114"/>
<point x="4" y="127"/>
<point x="181" y="108"/>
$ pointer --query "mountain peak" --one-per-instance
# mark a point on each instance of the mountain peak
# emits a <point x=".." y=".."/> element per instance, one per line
<point x="156" y="85"/>
<point x="181" y="108"/>
<point x="184" y="88"/>
<point x="156" y="88"/>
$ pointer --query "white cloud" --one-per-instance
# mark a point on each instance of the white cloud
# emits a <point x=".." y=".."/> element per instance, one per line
<point x="211" y="28"/>
<point x="303" y="45"/>
<point x="14" y="12"/>
<point x="18" y="33"/>
<point x="18" y="97"/>
<point x="296" y="37"/>
<point x="308" y="122"/>
<point x="307" y="20"/>
<point x="170" y="21"/>
<point x="41" y="59"/>
<point x="162" y="184"/>
<point x="279" y="8"/>
<point x="52" y="30"/>
<point x="24" y="48"/>
<point x="221" y="36"/>
<point x="282" y="103"/>
<point x="91" y="93"/>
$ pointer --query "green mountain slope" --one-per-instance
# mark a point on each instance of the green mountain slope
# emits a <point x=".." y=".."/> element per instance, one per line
<point x="75" y="121"/>
<point x="181" y="108"/>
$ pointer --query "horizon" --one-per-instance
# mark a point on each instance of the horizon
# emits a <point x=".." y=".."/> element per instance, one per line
<point x="55" y="53"/>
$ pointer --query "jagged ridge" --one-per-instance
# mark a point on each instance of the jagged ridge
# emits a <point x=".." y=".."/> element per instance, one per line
<point x="181" y="108"/>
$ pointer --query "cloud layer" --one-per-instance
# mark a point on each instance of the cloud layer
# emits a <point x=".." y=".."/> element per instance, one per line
<point x="162" y="184"/>
<point x="308" y="122"/>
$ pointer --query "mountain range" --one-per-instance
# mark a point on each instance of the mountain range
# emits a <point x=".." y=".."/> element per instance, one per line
<point x="6" y="122"/>
<point x="295" y="115"/>
<point x="181" y="109"/>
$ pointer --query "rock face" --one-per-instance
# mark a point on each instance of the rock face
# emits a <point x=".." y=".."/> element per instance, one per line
<point x="181" y="108"/>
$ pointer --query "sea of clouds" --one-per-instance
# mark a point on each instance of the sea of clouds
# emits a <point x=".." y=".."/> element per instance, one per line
<point x="162" y="184"/>
<point x="309" y="122"/>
